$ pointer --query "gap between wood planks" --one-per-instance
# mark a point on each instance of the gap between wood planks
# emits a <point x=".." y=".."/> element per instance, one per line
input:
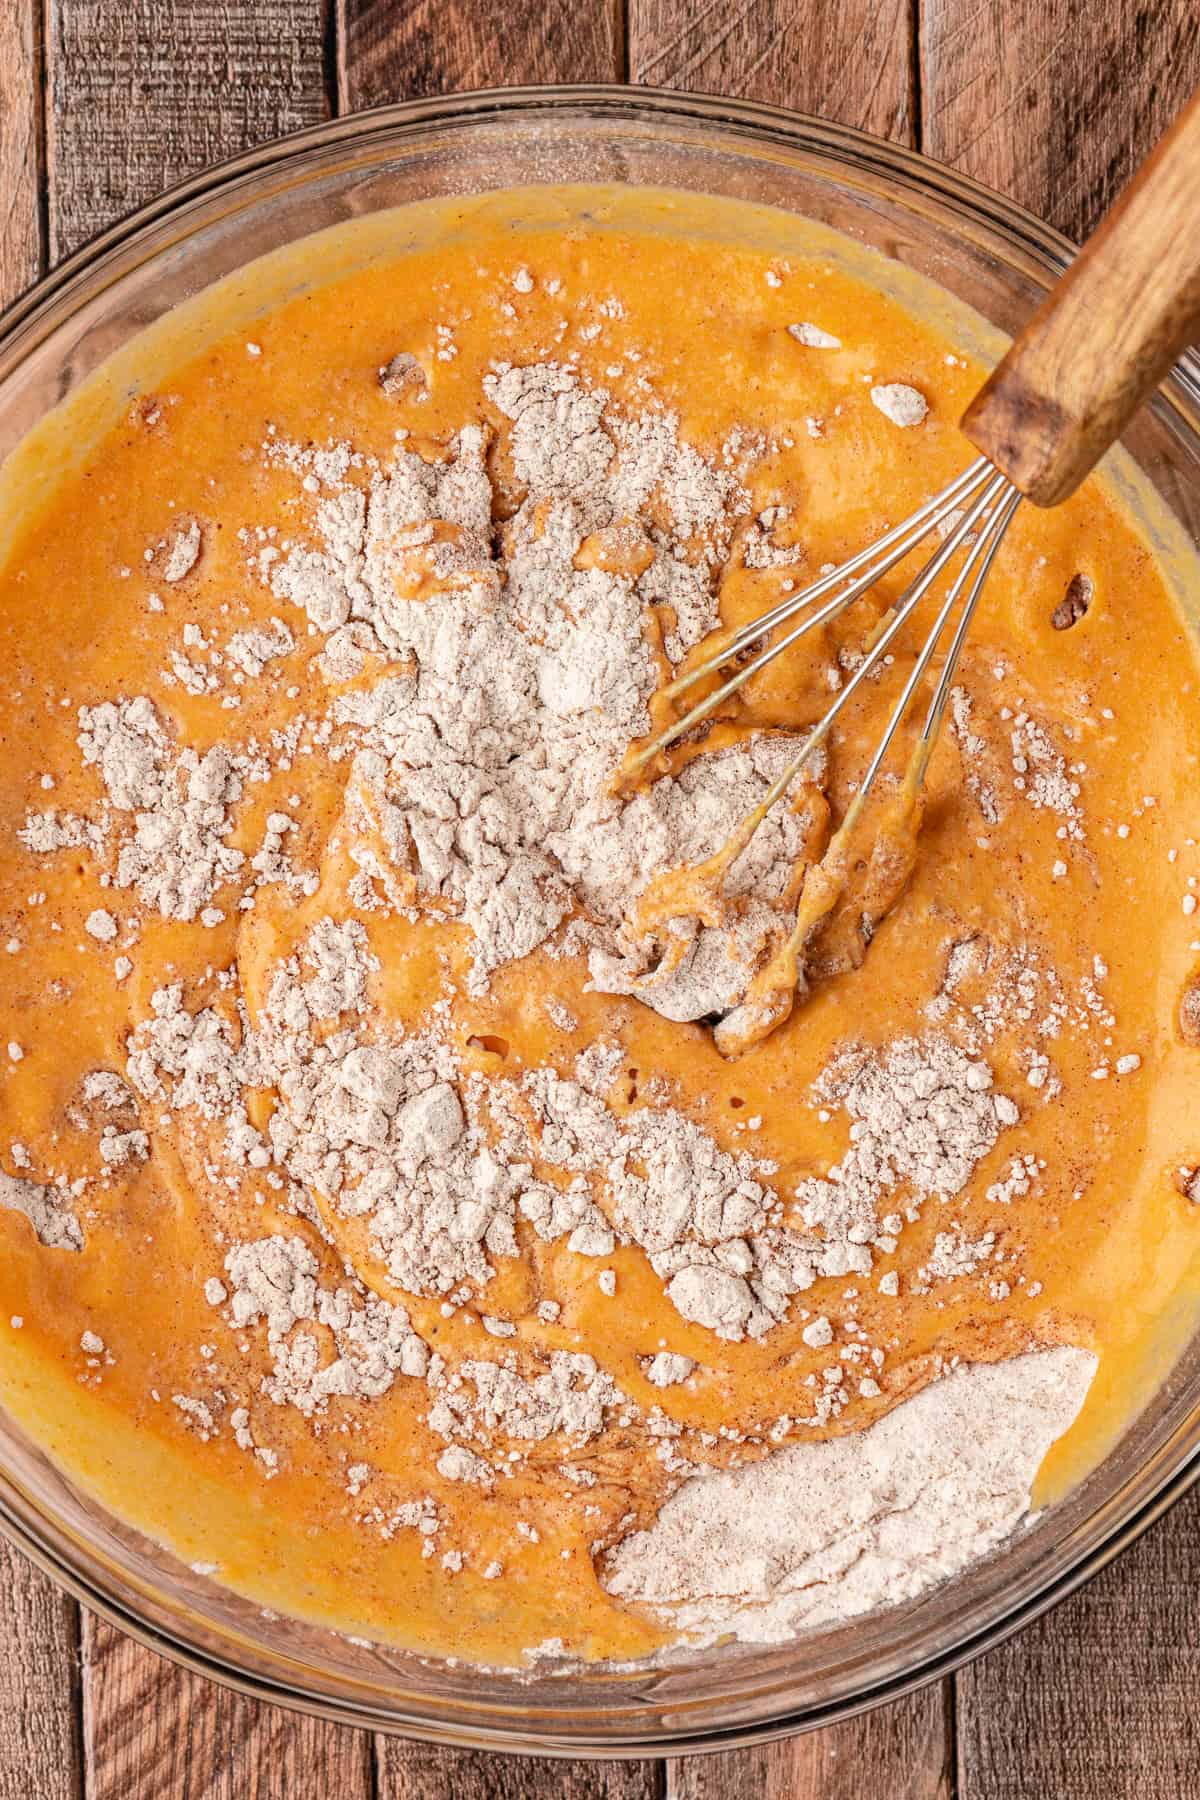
<point x="105" y="102"/>
<point x="40" y="1750"/>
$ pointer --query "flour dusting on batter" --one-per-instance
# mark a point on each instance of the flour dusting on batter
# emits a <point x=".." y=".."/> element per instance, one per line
<point x="363" y="1012"/>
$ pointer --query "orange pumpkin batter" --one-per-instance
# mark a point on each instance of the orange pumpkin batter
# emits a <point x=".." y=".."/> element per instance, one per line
<point x="1046" y="925"/>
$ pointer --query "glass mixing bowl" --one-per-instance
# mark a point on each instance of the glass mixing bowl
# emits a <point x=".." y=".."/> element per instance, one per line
<point x="987" y="254"/>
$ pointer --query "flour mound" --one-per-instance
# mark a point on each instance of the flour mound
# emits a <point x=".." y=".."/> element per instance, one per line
<point x="378" y="1127"/>
<point x="490" y="681"/>
<point x="820" y="1533"/>
<point x="680" y="821"/>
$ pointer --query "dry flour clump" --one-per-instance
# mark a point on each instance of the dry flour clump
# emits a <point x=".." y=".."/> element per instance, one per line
<point x="708" y="1221"/>
<point x="1042" y="774"/>
<point x="902" y="404"/>
<point x="677" y="822"/>
<point x="180" y="552"/>
<point x="197" y="1058"/>
<point x="924" y="1116"/>
<point x="275" y="1280"/>
<point x="379" y="1127"/>
<point x="251" y="651"/>
<point x="955" y="1255"/>
<point x="177" y="856"/>
<point x="483" y="1399"/>
<point x="1035" y="768"/>
<point x="824" y="1532"/>
<point x="47" y="1210"/>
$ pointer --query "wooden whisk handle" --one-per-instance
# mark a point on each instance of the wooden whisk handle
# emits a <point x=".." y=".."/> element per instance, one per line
<point x="1106" y="335"/>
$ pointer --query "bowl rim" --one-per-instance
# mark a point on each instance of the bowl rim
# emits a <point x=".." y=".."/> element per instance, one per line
<point x="846" y="143"/>
<point x="23" y="325"/>
<point x="463" y="1734"/>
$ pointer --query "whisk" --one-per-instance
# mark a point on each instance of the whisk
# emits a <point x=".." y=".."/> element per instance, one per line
<point x="1101" y="341"/>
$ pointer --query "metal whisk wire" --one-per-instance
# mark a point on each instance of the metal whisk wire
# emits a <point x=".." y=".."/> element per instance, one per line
<point x="987" y="501"/>
<point x="865" y="568"/>
<point x="976" y="566"/>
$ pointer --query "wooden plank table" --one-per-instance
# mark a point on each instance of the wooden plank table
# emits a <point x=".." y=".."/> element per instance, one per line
<point x="105" y="102"/>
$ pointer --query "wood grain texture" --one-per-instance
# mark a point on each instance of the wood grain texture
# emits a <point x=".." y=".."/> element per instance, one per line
<point x="401" y="52"/>
<point x="425" y="1772"/>
<point x="154" y="1732"/>
<point x="21" y="248"/>
<point x="1054" y="101"/>
<point x="143" y="92"/>
<point x="900" y="1752"/>
<point x="850" y="60"/>
<point x="1097" y="1701"/>
<point x="40" y="1749"/>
